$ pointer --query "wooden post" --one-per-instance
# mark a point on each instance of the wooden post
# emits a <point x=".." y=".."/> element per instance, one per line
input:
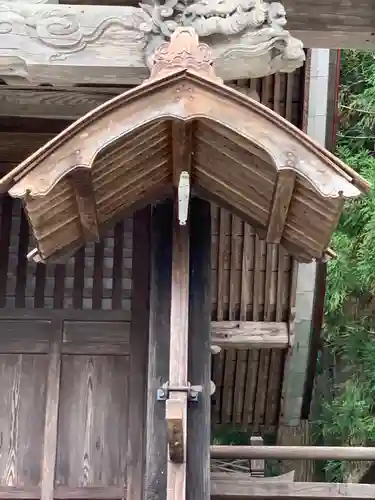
<point x="176" y="403"/>
<point x="138" y="354"/>
<point x="257" y="465"/>
<point x="158" y="358"/>
<point x="199" y="413"/>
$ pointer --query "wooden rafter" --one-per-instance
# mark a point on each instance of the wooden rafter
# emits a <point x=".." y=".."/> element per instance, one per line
<point x="85" y="197"/>
<point x="282" y="197"/>
<point x="229" y="155"/>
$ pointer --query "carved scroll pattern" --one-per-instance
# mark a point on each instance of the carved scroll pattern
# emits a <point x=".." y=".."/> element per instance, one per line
<point x="243" y="30"/>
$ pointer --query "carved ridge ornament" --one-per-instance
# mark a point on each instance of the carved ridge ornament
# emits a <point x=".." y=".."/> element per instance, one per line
<point x="250" y="32"/>
<point x="183" y="52"/>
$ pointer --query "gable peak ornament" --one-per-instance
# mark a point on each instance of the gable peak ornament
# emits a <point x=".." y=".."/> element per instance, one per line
<point x="183" y="52"/>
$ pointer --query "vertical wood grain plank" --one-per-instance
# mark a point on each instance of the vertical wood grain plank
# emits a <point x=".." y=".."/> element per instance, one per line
<point x="51" y="419"/>
<point x="5" y="232"/>
<point x="117" y="270"/>
<point x="158" y="356"/>
<point x="79" y="278"/>
<point x="138" y="353"/>
<point x="178" y="353"/>
<point x="40" y="284"/>
<point x="21" y="276"/>
<point x="97" y="287"/>
<point x="59" y="287"/>
<point x="199" y="417"/>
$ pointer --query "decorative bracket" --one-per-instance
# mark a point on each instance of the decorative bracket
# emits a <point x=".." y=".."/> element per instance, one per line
<point x="183" y="197"/>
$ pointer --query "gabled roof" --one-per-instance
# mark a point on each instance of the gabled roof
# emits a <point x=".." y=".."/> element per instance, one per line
<point x="127" y="152"/>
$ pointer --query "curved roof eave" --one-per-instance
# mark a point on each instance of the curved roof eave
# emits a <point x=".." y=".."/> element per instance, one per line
<point x="230" y="127"/>
<point x="151" y="88"/>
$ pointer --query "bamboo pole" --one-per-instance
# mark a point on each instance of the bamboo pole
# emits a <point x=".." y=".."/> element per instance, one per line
<point x="294" y="452"/>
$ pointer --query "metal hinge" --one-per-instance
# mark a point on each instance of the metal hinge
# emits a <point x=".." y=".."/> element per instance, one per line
<point x="191" y="390"/>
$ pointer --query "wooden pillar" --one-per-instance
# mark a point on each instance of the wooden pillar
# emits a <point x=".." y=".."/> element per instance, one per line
<point x="157" y="481"/>
<point x="158" y="355"/>
<point x="138" y="354"/>
<point x="199" y="413"/>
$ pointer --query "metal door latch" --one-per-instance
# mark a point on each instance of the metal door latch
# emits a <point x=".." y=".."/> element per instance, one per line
<point x="191" y="390"/>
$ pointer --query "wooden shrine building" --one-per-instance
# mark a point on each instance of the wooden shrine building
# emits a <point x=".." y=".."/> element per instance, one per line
<point x="127" y="404"/>
<point x="151" y="226"/>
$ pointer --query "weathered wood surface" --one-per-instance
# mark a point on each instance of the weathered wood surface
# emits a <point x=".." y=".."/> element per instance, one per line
<point x="136" y="456"/>
<point x="332" y="24"/>
<point x="51" y="417"/>
<point x="53" y="102"/>
<point x="222" y="488"/>
<point x="176" y="404"/>
<point x="59" y="427"/>
<point x="282" y="93"/>
<point x="110" y="49"/>
<point x="158" y="356"/>
<point x="267" y="490"/>
<point x="199" y="415"/>
<point x="233" y="126"/>
<point x="110" y="44"/>
<point x="243" y="334"/>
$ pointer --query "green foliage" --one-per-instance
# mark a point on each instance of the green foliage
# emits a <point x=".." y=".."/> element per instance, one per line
<point x="350" y="300"/>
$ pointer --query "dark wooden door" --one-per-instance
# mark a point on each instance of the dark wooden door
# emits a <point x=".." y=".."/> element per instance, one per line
<point x="64" y="385"/>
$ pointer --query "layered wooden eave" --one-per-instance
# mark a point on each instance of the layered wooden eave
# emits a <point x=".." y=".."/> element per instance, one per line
<point x="121" y="156"/>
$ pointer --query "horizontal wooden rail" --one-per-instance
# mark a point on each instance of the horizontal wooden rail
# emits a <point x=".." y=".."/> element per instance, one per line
<point x="261" y="489"/>
<point x="294" y="452"/>
<point x="233" y="488"/>
<point x="247" y="334"/>
<point x="226" y="334"/>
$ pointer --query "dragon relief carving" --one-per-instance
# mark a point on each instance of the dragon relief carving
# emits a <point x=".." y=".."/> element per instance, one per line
<point x="250" y="31"/>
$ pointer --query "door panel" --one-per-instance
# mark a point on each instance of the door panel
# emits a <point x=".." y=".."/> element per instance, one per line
<point x="63" y="407"/>
<point x="22" y="415"/>
<point x="92" y="430"/>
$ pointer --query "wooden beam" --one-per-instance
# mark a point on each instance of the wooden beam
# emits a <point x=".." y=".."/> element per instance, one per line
<point x="250" y="334"/>
<point x="332" y="24"/>
<point x="92" y="54"/>
<point x="282" y="197"/>
<point x="199" y="416"/>
<point x="158" y="354"/>
<point x="17" y="146"/>
<point x="53" y="102"/>
<point x="294" y="452"/>
<point x="264" y="490"/>
<point x="223" y="486"/>
<point x="82" y="185"/>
